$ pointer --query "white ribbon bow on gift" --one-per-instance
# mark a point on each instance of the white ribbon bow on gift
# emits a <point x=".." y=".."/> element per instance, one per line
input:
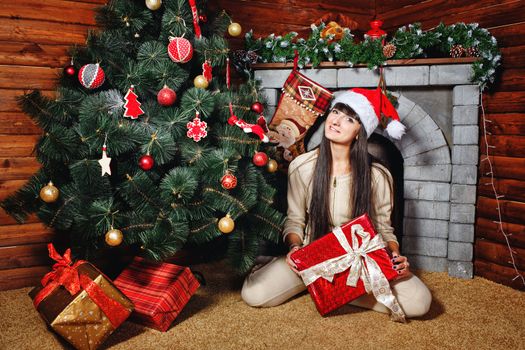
<point x="361" y="267"/>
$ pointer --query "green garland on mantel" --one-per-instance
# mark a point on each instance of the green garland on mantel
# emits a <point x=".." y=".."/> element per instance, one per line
<point x="409" y="41"/>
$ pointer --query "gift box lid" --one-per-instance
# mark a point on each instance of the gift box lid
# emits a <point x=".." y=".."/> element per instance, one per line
<point x="157" y="287"/>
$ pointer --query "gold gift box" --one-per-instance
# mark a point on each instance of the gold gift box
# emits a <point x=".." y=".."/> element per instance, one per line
<point x="76" y="317"/>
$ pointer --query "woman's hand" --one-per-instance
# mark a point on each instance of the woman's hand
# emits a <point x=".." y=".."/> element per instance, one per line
<point x="289" y="261"/>
<point x="401" y="265"/>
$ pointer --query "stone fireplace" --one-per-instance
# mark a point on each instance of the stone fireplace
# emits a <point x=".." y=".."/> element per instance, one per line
<point x="439" y="106"/>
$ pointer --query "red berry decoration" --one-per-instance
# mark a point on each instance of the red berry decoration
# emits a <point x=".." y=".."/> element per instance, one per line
<point x="203" y="18"/>
<point x="146" y="162"/>
<point x="260" y="159"/>
<point x="180" y="50"/>
<point x="257" y="107"/>
<point x="228" y="181"/>
<point x="70" y="70"/>
<point x="91" y="76"/>
<point x="166" y="96"/>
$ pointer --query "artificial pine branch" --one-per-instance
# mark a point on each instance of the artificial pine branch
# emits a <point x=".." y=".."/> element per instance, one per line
<point x="199" y="100"/>
<point x="179" y="185"/>
<point x="176" y="21"/>
<point x="203" y="231"/>
<point x="243" y="248"/>
<point x="220" y="24"/>
<point x="231" y="136"/>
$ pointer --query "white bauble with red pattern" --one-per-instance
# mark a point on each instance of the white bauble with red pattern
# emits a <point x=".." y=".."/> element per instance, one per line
<point x="180" y="50"/>
<point x="91" y="76"/>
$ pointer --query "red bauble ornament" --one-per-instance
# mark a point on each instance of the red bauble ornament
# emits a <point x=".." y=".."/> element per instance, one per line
<point x="146" y="162"/>
<point x="228" y="181"/>
<point x="257" y="107"/>
<point x="166" y="96"/>
<point x="180" y="50"/>
<point x="91" y="76"/>
<point x="70" y="70"/>
<point x="260" y="159"/>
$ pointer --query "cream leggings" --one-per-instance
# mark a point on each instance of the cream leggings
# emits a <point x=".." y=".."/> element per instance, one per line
<point x="275" y="283"/>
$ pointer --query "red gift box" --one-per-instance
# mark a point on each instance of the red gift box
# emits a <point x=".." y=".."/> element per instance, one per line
<point x="159" y="291"/>
<point x="346" y="264"/>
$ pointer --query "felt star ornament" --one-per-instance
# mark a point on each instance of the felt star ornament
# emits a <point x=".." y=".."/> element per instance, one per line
<point x="105" y="161"/>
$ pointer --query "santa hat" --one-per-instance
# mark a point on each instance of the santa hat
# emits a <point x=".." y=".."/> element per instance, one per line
<point x="294" y="126"/>
<point x="369" y="105"/>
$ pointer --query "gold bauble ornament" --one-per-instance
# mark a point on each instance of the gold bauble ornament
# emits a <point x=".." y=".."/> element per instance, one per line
<point x="49" y="193"/>
<point x="114" y="237"/>
<point x="200" y="82"/>
<point x="226" y="224"/>
<point x="153" y="4"/>
<point x="272" y="166"/>
<point x="234" y="29"/>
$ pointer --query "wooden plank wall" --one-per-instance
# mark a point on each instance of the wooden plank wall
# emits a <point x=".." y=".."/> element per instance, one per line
<point x="34" y="38"/>
<point x="283" y="16"/>
<point x="505" y="107"/>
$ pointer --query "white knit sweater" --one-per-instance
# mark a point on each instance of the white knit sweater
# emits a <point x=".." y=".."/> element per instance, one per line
<point x="300" y="174"/>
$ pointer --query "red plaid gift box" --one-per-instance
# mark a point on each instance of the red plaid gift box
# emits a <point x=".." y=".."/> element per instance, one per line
<point x="159" y="291"/>
<point x="345" y="264"/>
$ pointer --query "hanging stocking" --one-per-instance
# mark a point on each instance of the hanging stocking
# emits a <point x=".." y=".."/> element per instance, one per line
<point x="301" y="102"/>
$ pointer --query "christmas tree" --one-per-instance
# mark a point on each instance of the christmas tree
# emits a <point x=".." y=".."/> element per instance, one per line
<point x="181" y="173"/>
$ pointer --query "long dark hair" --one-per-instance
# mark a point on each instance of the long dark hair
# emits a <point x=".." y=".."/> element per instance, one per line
<point x="319" y="216"/>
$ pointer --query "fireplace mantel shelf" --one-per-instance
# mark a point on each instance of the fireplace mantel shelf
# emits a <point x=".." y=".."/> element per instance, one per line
<point x="403" y="62"/>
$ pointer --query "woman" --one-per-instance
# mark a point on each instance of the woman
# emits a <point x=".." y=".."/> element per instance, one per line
<point x="329" y="186"/>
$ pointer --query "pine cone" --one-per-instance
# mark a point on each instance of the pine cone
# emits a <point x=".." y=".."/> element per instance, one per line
<point x="251" y="56"/>
<point x="244" y="57"/>
<point x="472" y="51"/>
<point x="389" y="50"/>
<point x="456" y="51"/>
<point x="242" y="60"/>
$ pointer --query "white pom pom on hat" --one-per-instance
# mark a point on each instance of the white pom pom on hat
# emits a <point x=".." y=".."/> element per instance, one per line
<point x="369" y="105"/>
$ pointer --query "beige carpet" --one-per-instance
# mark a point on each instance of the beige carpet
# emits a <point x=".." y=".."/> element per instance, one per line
<point x="465" y="314"/>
